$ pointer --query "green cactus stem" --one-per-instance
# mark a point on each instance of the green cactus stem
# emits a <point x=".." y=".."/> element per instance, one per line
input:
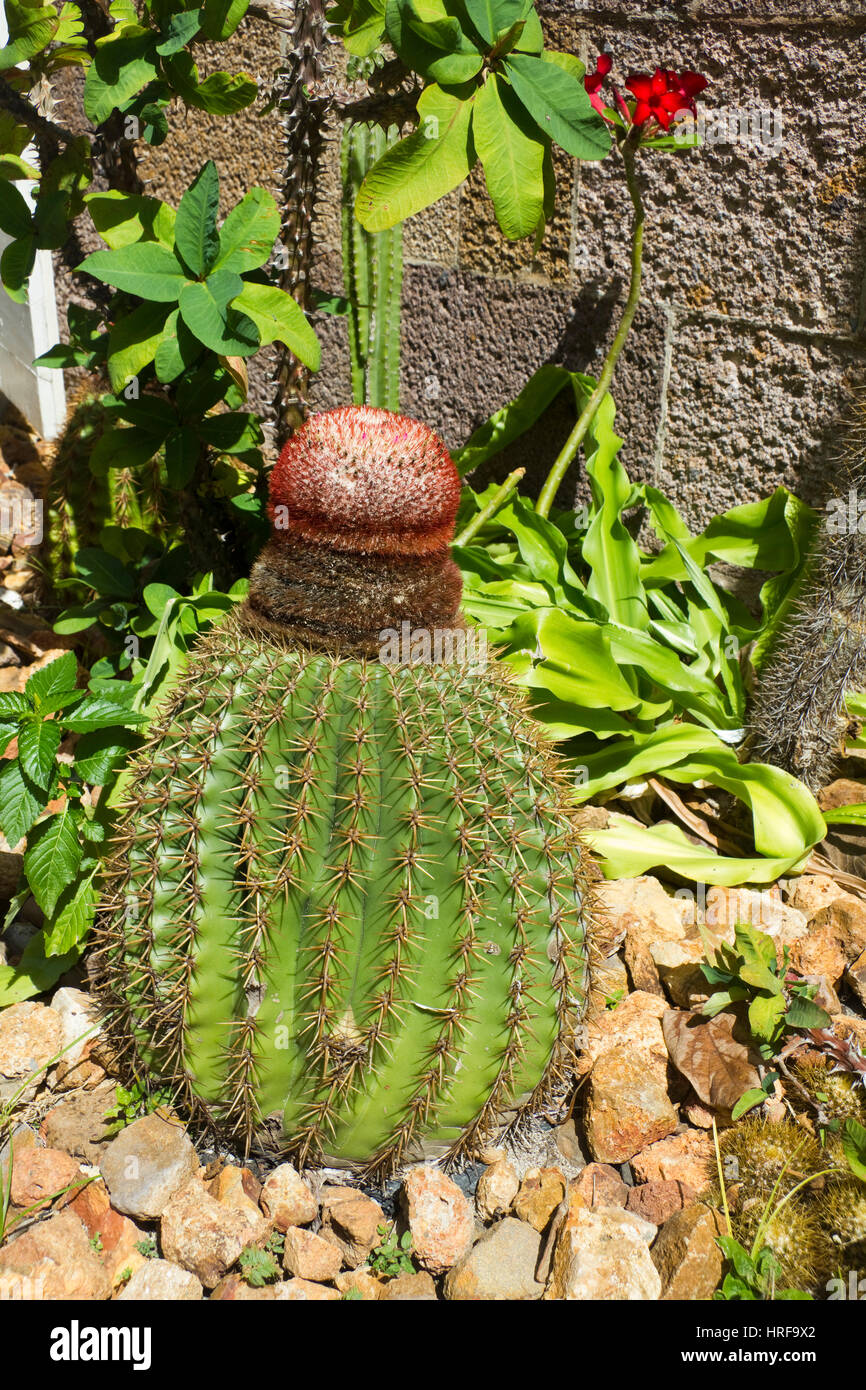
<point x="346" y="909"/>
<point x="372" y="273"/>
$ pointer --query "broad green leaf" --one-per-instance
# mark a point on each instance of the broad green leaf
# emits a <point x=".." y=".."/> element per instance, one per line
<point x="432" y="42"/>
<point x="182" y="453"/>
<point x="123" y="64"/>
<point x="757" y="949"/>
<point x="38" y="742"/>
<point x="248" y="234"/>
<point x="232" y="432"/>
<point x="146" y="269"/>
<point x="492" y="17"/>
<point x="73" y="915"/>
<point x="220" y="18"/>
<point x="748" y="1101"/>
<point x="195" y="229"/>
<point x="53" y="856"/>
<point x="805" y="1013"/>
<point x="12" y="166"/>
<point x="31" y="28"/>
<point x="16" y="263"/>
<point x="221" y="93"/>
<point x="182" y="27"/>
<point x="124" y="218"/>
<point x="16" y="217"/>
<point x="559" y="105"/>
<point x="57" y="677"/>
<point x="765" y="1013"/>
<point x="98" y="753"/>
<point x="608" y="547"/>
<point x="104" y="573"/>
<point x="421" y="169"/>
<point x="33" y="974"/>
<point x="512" y="153"/>
<point x="854" y="1147"/>
<point x="122" y="448"/>
<point x="567" y="61"/>
<point x="513" y="419"/>
<point x="133" y="341"/>
<point x="219" y="328"/>
<point x="175" y="350"/>
<point x="20" y="802"/>
<point x="278" y="317"/>
<point x="627" y="850"/>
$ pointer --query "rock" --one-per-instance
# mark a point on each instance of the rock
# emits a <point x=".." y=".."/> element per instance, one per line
<point x="569" y="1143"/>
<point x="608" y="983"/>
<point x="846" y="1026"/>
<point x="238" y="1189"/>
<point x="855" y="978"/>
<point x="203" y="1236"/>
<point x="726" y="907"/>
<point x="78" y="1124"/>
<point x="687" y="1256"/>
<point x="677" y="963"/>
<point x="80" y="1033"/>
<point x="497" y="1188"/>
<point x="161" y="1280"/>
<point x="117" y="1236"/>
<point x="657" y="1201"/>
<point x="233" y="1289"/>
<point x="633" y="1026"/>
<point x="53" y="1260"/>
<point x="810" y="892"/>
<point x="499" y="1267"/>
<point x="837" y="936"/>
<point x="409" y="1288"/>
<point x="541" y="1192"/>
<point x="439" y="1217"/>
<point x="627" y="1107"/>
<point x="146" y="1164"/>
<point x="30" y="1038"/>
<point x="23" y="1137"/>
<point x="310" y="1257"/>
<point x="287" y="1199"/>
<point x="687" y="1158"/>
<point x="825" y="995"/>
<point x="598" y="1185"/>
<point x="351" y="1221"/>
<point x="603" y="1254"/>
<point x="367" y="1285"/>
<point x="41" y="1176"/>
<point x="642" y="912"/>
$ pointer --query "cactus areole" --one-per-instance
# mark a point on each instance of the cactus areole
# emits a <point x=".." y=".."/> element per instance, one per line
<point x="345" y="909"/>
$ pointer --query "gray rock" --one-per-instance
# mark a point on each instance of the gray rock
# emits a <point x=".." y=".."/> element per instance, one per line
<point x="146" y="1164"/>
<point x="499" y="1267"/>
<point x="161" y="1280"/>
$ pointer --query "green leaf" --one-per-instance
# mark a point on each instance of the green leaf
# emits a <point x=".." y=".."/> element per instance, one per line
<point x="220" y="18"/>
<point x="133" y="341"/>
<point x="232" y="432"/>
<point x="195" y="228"/>
<point x="20" y="804"/>
<point x="512" y="153"/>
<point x="53" y="857"/>
<point x="804" y="1013"/>
<point x="73" y="915"/>
<point x="221" y="329"/>
<point x="124" y="448"/>
<point x="424" y="167"/>
<point x="248" y="234"/>
<point x="57" y="677"/>
<point x="765" y="1014"/>
<point x="559" y="105"/>
<point x="748" y="1101"/>
<point x="146" y="269"/>
<point x="31" y="28"/>
<point x="16" y="263"/>
<point x="16" y="218"/>
<point x="33" y="974"/>
<point x="98" y="753"/>
<point x="104" y="573"/>
<point x="124" y="218"/>
<point x="100" y="712"/>
<point x="513" y="419"/>
<point x="492" y="17"/>
<point x="569" y="63"/>
<point x="12" y="166"/>
<point x="278" y="317"/>
<point x="182" y="26"/>
<point x="431" y="42"/>
<point x="853" y="814"/>
<point x="38" y="742"/>
<point x="123" y="64"/>
<point x="182" y="453"/>
<point x="854" y="1147"/>
<point x="176" y="350"/>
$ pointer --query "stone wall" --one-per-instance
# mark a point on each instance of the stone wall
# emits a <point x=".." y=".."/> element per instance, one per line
<point x="751" y="330"/>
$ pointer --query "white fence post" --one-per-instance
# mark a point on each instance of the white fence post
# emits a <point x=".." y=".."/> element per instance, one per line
<point x="26" y="330"/>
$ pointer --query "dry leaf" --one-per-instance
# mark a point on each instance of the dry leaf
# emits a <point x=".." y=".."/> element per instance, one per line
<point x="719" y="1065"/>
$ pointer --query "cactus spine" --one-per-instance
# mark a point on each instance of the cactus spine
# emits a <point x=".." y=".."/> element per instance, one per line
<point x="372" y="273"/>
<point x="798" y="718"/>
<point x="346" y="906"/>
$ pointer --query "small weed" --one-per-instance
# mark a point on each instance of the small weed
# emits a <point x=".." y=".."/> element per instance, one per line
<point x="147" y="1247"/>
<point x="391" y="1256"/>
<point x="258" y="1266"/>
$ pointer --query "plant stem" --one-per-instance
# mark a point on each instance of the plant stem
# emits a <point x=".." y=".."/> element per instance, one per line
<point x="575" y="439"/>
<point x="490" y="508"/>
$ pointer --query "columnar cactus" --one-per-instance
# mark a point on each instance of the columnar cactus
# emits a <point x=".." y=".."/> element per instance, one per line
<point x="346" y="907"/>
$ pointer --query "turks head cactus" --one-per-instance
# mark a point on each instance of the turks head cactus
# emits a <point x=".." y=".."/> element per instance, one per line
<point x="346" y="904"/>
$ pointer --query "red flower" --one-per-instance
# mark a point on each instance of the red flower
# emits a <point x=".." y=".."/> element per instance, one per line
<point x="663" y="95"/>
<point x="593" y="80"/>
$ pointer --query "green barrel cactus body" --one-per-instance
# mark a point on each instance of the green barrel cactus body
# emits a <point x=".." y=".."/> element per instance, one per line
<point x="346" y="908"/>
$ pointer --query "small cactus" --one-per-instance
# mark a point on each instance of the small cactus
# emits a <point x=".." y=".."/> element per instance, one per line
<point x="346" y="909"/>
